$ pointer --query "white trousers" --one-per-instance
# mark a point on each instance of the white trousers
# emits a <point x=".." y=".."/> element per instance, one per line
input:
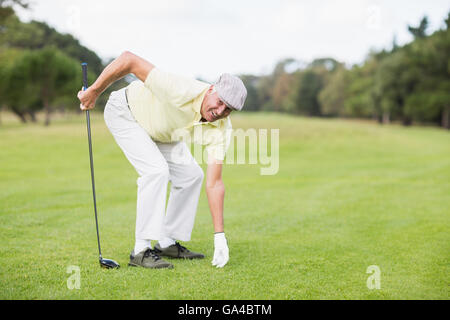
<point x="156" y="164"/>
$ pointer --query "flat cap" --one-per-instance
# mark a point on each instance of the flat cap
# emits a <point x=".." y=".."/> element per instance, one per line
<point x="231" y="91"/>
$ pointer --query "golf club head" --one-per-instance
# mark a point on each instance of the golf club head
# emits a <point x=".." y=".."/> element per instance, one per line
<point x="109" y="264"/>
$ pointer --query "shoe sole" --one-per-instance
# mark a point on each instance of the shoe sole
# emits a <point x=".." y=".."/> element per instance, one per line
<point x="157" y="267"/>
<point x="181" y="258"/>
<point x="162" y="254"/>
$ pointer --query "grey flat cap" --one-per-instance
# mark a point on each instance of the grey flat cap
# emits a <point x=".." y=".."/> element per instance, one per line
<point x="231" y="91"/>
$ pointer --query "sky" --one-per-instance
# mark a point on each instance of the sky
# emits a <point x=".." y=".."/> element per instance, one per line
<point x="204" y="38"/>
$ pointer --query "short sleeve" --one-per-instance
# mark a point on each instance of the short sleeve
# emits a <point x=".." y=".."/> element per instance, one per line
<point x="219" y="140"/>
<point x="173" y="89"/>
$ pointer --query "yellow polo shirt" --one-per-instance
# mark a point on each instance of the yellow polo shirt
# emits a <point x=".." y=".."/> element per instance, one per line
<point x="168" y="106"/>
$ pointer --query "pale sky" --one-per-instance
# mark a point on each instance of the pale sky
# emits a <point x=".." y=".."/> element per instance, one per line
<point x="204" y="38"/>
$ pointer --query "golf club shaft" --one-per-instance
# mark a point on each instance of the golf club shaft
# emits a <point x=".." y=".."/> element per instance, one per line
<point x="85" y="86"/>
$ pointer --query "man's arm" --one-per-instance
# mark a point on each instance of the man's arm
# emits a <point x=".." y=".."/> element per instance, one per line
<point x="215" y="190"/>
<point x="126" y="63"/>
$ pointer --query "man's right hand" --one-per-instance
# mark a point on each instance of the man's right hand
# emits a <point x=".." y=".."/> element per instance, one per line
<point x="87" y="99"/>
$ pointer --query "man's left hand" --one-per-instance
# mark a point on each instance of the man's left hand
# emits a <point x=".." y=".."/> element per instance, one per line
<point x="221" y="251"/>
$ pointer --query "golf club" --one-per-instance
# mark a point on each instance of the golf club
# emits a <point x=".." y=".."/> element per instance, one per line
<point x="104" y="263"/>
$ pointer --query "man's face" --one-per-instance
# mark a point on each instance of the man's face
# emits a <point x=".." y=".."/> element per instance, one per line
<point x="213" y="108"/>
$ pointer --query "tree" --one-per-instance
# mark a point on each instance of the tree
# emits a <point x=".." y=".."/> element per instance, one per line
<point x="10" y="3"/>
<point x="329" y="64"/>
<point x="388" y="86"/>
<point x="264" y="90"/>
<point x="272" y="89"/>
<point x="251" y="83"/>
<point x="359" y="102"/>
<point x="16" y="90"/>
<point x="282" y="84"/>
<point x="69" y="45"/>
<point x="430" y="100"/>
<point x="333" y="96"/>
<point x="39" y="78"/>
<point x="419" y="32"/>
<point x="280" y="93"/>
<point x="61" y="79"/>
<point x="308" y="84"/>
<point x="6" y="9"/>
<point x="38" y="35"/>
<point x="447" y="21"/>
<point x="39" y="41"/>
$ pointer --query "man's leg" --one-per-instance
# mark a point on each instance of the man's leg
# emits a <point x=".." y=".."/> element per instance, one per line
<point x="186" y="177"/>
<point x="149" y="163"/>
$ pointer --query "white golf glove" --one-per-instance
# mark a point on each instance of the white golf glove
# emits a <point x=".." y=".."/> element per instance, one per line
<point x="221" y="251"/>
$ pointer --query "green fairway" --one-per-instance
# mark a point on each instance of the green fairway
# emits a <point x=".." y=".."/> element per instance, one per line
<point x="348" y="195"/>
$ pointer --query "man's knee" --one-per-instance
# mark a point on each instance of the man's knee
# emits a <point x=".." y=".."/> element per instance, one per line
<point x="160" y="171"/>
<point x="196" y="172"/>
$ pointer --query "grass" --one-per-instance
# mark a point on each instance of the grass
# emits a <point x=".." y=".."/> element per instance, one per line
<point x="348" y="195"/>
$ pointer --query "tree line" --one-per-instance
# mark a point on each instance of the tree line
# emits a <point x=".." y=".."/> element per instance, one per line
<point x="407" y="84"/>
<point x="40" y="71"/>
<point x="40" y="68"/>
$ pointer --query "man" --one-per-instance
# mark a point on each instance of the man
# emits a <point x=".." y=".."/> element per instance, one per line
<point x="148" y="120"/>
